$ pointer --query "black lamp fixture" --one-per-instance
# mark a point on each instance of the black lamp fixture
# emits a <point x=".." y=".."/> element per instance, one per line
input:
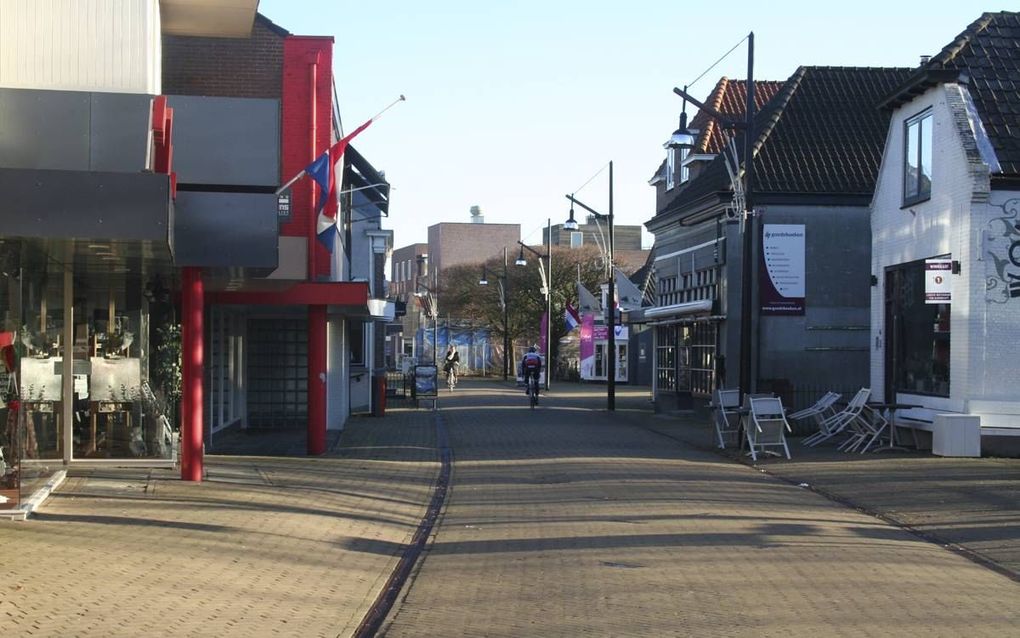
<point x="521" y="261"/>
<point x="571" y="223"/>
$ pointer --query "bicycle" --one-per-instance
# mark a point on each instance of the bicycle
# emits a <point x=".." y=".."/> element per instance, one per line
<point x="451" y="378"/>
<point x="531" y="381"/>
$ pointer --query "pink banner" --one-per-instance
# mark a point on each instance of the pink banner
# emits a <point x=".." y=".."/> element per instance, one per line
<point x="542" y="337"/>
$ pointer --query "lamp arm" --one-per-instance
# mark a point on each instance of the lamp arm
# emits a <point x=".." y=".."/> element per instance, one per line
<point x="585" y="206"/>
<point x="532" y="250"/>
<point x="723" y="119"/>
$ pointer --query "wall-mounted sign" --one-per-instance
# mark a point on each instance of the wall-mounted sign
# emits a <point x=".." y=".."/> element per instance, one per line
<point x="781" y="269"/>
<point x="283" y="206"/>
<point x="938" y="287"/>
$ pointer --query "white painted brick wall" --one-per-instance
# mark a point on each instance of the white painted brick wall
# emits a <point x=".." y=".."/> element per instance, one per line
<point x="984" y="348"/>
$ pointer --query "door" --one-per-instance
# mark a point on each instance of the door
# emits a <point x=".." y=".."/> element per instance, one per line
<point x="600" y="360"/>
<point x="622" y="362"/>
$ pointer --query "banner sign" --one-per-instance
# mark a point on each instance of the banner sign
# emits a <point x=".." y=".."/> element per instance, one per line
<point x="601" y="332"/>
<point x="781" y="269"/>
<point x="426" y="384"/>
<point x="938" y="287"/>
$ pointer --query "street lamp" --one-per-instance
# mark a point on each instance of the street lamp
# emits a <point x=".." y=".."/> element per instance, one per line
<point x="428" y="301"/>
<point x="521" y="261"/>
<point x="484" y="281"/>
<point x="750" y="223"/>
<point x="571" y="224"/>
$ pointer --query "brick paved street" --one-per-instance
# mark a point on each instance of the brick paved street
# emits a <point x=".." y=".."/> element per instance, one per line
<point x="564" y="521"/>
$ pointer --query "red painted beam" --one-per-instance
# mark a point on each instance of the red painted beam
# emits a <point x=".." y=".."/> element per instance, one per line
<point x="192" y="353"/>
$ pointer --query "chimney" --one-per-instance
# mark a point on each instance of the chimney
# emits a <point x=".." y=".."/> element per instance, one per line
<point x="925" y="59"/>
<point x="476" y="215"/>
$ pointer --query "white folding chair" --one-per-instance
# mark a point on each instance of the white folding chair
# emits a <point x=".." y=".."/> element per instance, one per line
<point x="865" y="429"/>
<point x="727" y="419"/>
<point x="823" y="407"/>
<point x="768" y="426"/>
<point x="839" y="421"/>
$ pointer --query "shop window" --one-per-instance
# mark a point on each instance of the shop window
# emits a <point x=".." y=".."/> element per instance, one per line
<point x="357" y="343"/>
<point x="917" y="159"/>
<point x="918" y="334"/>
<point x="665" y="358"/>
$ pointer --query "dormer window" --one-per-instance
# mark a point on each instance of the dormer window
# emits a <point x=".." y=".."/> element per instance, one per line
<point x="917" y="158"/>
<point x="677" y="149"/>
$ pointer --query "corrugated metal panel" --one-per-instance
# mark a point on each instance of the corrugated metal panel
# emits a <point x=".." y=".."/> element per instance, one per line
<point x="78" y="45"/>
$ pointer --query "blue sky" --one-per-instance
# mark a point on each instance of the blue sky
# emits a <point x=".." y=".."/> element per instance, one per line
<point x="510" y="105"/>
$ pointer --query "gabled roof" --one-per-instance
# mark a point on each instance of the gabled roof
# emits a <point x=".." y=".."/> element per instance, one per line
<point x="986" y="57"/>
<point x="729" y="97"/>
<point x="821" y="135"/>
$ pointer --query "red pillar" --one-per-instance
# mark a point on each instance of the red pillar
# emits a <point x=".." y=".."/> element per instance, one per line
<point x="192" y="334"/>
<point x="316" y="380"/>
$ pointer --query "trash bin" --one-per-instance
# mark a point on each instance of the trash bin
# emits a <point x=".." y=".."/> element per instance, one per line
<point x="379" y="395"/>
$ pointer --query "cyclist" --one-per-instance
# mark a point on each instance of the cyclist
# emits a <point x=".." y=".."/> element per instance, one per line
<point x="531" y="367"/>
<point x="450" y="363"/>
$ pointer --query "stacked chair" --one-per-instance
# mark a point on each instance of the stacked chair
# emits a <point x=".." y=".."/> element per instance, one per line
<point x="727" y="418"/>
<point x="767" y="427"/>
<point x="849" y="419"/>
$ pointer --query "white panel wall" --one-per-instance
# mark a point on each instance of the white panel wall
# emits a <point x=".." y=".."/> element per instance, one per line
<point x="81" y="45"/>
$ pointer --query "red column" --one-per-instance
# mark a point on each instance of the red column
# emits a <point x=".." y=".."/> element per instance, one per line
<point x="192" y="334"/>
<point x="316" y="380"/>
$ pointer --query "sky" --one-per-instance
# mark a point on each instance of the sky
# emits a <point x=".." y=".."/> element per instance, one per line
<point x="511" y="105"/>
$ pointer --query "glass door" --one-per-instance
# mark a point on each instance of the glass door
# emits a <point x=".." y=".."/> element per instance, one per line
<point x="600" y="360"/>
<point x="621" y="362"/>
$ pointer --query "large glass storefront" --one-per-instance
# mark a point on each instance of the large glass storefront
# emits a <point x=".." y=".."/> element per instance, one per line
<point x="685" y="357"/>
<point x="93" y="308"/>
<point x="917" y="334"/>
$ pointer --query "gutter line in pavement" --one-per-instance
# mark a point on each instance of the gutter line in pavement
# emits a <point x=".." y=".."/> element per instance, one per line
<point x="383" y="604"/>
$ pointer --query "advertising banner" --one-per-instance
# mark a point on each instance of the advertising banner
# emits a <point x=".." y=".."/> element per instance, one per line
<point x="587" y="345"/>
<point x="781" y="269"/>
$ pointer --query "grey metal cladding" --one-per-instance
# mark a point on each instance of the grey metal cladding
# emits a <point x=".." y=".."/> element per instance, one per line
<point x="226" y="141"/>
<point x="213" y="229"/>
<point x="119" y="131"/>
<point x="44" y="129"/>
<point x="84" y="205"/>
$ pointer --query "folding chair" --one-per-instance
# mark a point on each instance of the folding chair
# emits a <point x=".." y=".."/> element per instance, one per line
<point x="865" y="428"/>
<point x="727" y="419"/>
<point x="838" y="422"/>
<point x="821" y="410"/>
<point x="768" y="426"/>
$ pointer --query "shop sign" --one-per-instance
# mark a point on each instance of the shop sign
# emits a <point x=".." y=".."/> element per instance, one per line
<point x="283" y="206"/>
<point x="781" y="269"/>
<point x="938" y="287"/>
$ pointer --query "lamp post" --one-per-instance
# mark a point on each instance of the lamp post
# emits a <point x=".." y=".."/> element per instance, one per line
<point x="431" y="307"/>
<point x="750" y="223"/>
<point x="571" y="224"/>
<point x="548" y="293"/>
<point x="484" y="281"/>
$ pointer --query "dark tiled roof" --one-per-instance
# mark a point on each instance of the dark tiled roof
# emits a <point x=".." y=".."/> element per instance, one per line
<point x="820" y="135"/>
<point x="988" y="51"/>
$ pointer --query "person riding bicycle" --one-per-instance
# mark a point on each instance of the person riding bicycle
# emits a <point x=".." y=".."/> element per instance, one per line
<point x="451" y="360"/>
<point x="531" y="367"/>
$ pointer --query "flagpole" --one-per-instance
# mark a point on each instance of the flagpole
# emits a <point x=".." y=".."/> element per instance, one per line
<point x="301" y="174"/>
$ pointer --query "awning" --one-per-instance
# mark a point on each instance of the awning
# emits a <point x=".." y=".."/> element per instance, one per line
<point x="660" y="315"/>
<point x="350" y="296"/>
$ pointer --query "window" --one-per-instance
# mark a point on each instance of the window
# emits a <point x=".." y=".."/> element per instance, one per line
<point x="917" y="159"/>
<point x="357" y="343"/>
<point x="576" y="239"/>
<point x="685" y="170"/>
<point x="670" y="168"/>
